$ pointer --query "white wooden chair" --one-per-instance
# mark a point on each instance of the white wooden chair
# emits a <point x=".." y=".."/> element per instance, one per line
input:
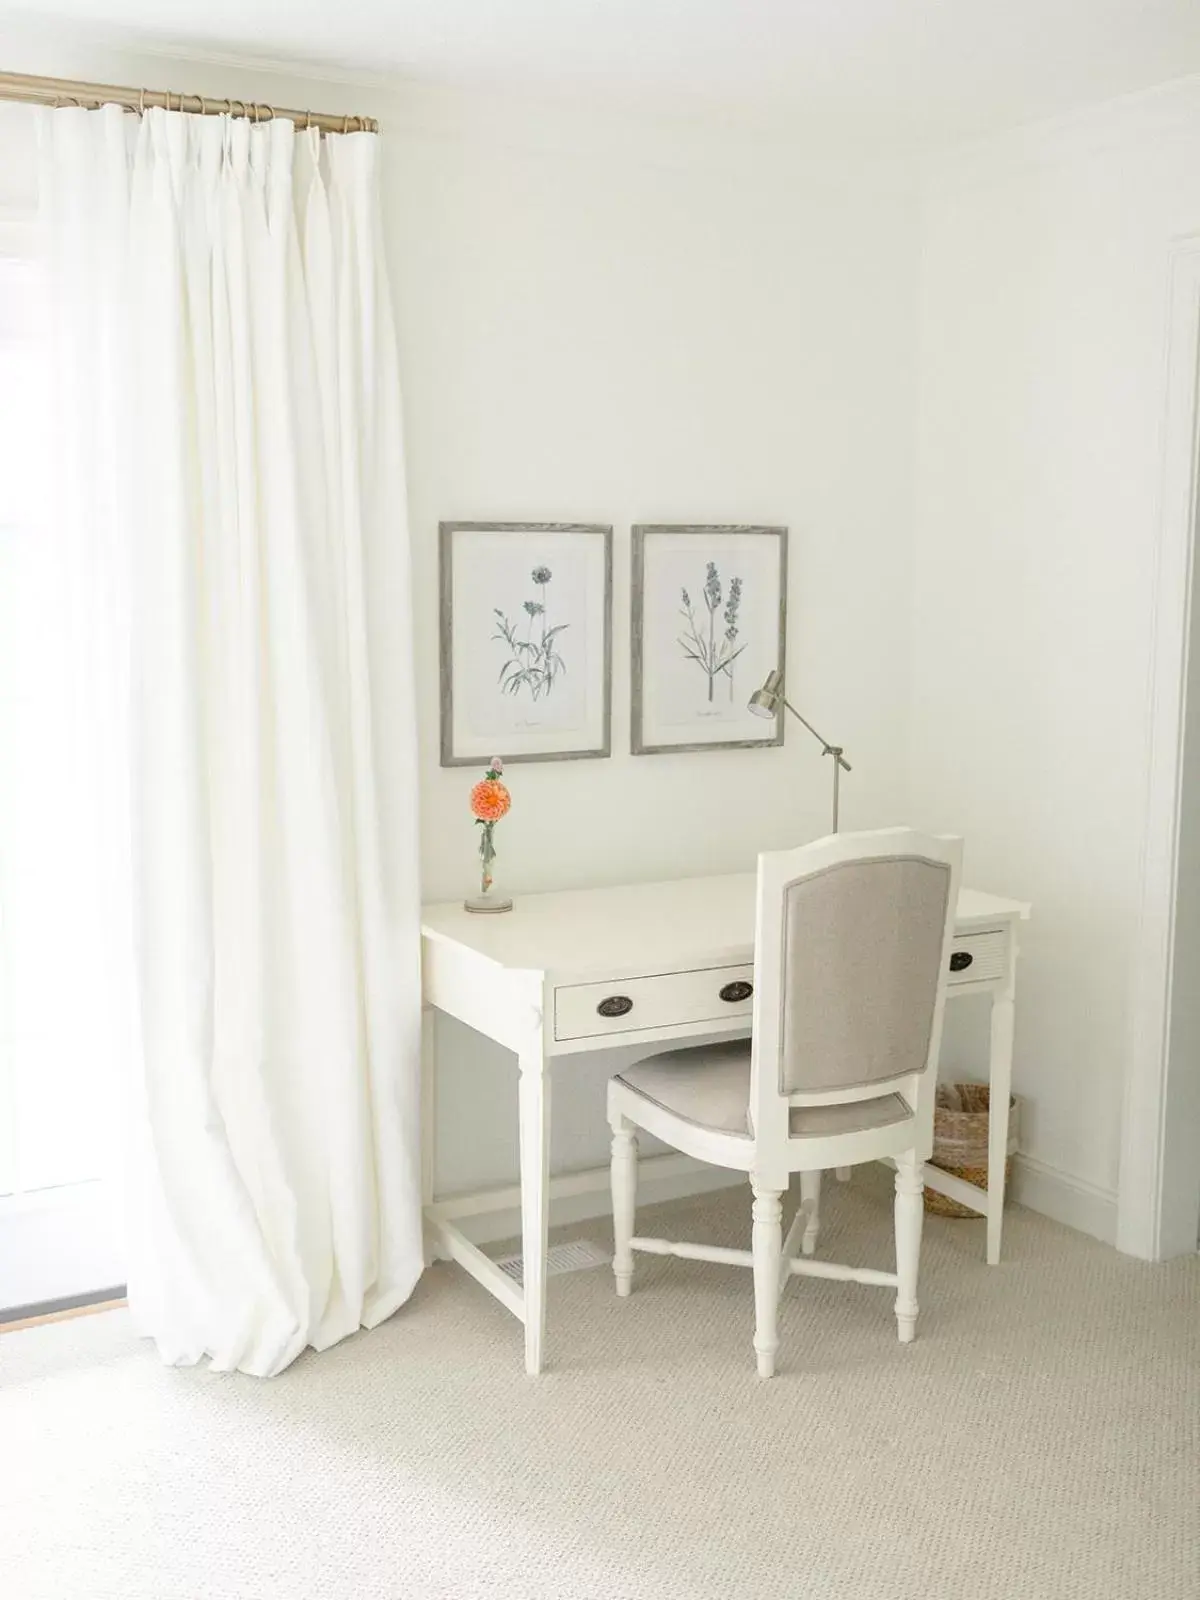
<point x="851" y="955"/>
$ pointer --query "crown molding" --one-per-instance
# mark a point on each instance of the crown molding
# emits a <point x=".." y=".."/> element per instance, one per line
<point x="562" y="123"/>
<point x="22" y="31"/>
<point x="298" y="68"/>
<point x="104" y="52"/>
<point x="1151" y="116"/>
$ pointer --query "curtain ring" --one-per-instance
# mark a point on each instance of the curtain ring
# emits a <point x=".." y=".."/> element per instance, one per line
<point x="203" y="105"/>
<point x="142" y="103"/>
<point x="346" y="124"/>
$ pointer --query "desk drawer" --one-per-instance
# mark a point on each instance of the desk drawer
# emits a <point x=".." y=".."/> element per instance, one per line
<point x="978" y="957"/>
<point x="664" y="1000"/>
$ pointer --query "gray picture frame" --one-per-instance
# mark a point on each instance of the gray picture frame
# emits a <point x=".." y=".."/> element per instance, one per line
<point x="644" y="531"/>
<point x="447" y="532"/>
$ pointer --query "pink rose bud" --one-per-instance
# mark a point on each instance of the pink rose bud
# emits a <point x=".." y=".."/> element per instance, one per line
<point x="497" y="764"/>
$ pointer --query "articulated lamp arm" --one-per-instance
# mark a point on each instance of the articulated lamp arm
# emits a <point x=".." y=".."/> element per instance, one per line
<point x="765" y="702"/>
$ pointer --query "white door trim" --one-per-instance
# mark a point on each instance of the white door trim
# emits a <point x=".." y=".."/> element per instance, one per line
<point x="1159" y="1199"/>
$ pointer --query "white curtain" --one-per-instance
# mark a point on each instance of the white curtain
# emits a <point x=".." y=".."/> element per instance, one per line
<point x="229" y="402"/>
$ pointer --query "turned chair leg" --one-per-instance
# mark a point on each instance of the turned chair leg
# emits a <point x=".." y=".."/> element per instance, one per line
<point x="810" y="1193"/>
<point x="767" y="1250"/>
<point x="910" y="1213"/>
<point x="624" y="1200"/>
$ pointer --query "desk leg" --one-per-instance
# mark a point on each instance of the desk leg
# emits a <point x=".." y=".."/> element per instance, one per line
<point x="1000" y="1083"/>
<point x="429" y="1121"/>
<point x="534" y="1097"/>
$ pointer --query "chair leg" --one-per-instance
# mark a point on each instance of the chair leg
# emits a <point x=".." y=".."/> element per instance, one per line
<point x="810" y="1192"/>
<point x="624" y="1200"/>
<point x="767" y="1249"/>
<point x="910" y="1213"/>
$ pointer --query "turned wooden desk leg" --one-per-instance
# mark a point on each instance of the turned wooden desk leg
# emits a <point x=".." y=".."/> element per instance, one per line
<point x="1000" y="1082"/>
<point x="534" y="1094"/>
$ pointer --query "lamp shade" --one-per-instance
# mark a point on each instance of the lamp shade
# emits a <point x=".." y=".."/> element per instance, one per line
<point x="764" y="702"/>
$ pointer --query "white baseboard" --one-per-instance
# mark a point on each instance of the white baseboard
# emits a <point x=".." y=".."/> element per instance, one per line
<point x="1080" y="1204"/>
<point x="697" y="1178"/>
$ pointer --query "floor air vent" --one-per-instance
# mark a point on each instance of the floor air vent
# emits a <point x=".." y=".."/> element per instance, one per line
<point x="576" y="1255"/>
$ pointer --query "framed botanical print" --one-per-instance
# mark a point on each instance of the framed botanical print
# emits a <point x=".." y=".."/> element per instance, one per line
<point x="526" y="641"/>
<point x="709" y="623"/>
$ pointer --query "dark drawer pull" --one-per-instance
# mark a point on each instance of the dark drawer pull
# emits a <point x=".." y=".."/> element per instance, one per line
<point x="617" y="1005"/>
<point x="738" y="990"/>
<point x="960" y="960"/>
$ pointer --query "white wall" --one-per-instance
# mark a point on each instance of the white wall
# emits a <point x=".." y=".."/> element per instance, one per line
<point x="641" y="334"/>
<point x="611" y="337"/>
<point x="608" y="321"/>
<point x="1043" y="296"/>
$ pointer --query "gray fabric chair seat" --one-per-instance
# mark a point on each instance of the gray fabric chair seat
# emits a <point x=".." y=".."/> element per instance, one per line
<point x="709" y="1086"/>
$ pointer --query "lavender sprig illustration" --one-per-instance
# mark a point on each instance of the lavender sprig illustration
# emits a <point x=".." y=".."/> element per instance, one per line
<point x="731" y="628"/>
<point x="712" y="651"/>
<point x="533" y="663"/>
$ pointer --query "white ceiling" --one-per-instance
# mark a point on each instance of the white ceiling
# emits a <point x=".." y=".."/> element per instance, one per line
<point x="865" y="69"/>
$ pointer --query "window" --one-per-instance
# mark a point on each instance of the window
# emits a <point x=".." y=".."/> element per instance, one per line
<point x="63" y="995"/>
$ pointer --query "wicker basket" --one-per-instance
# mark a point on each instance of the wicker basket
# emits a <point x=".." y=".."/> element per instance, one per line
<point x="960" y="1142"/>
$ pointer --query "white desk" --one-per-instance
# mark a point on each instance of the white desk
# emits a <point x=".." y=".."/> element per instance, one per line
<point x="533" y="980"/>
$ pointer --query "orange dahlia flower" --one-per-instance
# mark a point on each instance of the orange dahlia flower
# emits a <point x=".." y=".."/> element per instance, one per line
<point x="490" y="800"/>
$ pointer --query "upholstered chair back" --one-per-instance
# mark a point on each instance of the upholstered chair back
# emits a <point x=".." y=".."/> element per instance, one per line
<point x="862" y="951"/>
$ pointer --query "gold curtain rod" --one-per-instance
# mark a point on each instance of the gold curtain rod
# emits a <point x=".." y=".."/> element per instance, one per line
<point x="65" y="91"/>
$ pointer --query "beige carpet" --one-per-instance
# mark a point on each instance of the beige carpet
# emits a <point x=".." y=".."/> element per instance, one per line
<point x="1041" y="1438"/>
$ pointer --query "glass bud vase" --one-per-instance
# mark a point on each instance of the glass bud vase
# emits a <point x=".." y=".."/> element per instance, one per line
<point x="487" y="899"/>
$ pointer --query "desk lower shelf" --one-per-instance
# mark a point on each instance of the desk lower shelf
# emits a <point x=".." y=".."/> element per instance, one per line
<point x="447" y="1240"/>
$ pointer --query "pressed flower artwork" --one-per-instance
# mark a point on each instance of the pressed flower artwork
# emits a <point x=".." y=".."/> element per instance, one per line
<point x="531" y="663"/>
<point x="716" y="651"/>
<point x="708" y="625"/>
<point x="526" y="639"/>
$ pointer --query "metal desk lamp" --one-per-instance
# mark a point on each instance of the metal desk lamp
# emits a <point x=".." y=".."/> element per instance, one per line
<point x="765" y="702"/>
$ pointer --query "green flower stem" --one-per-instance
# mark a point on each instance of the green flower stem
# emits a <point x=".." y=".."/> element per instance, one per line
<point x="487" y="854"/>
